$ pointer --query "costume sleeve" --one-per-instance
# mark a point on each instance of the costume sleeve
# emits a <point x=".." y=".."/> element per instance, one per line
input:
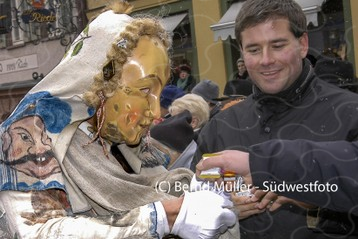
<point x="322" y="173"/>
<point x="25" y="219"/>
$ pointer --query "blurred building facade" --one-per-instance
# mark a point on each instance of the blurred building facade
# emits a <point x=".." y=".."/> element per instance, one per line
<point x="34" y="35"/>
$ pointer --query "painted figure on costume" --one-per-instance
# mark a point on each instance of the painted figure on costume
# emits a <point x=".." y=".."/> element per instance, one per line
<point x="28" y="149"/>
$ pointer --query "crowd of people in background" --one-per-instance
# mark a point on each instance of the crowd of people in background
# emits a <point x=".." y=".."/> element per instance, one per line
<point x="240" y="84"/>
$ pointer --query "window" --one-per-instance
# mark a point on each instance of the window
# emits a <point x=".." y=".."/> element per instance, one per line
<point x="17" y="34"/>
<point x="2" y="40"/>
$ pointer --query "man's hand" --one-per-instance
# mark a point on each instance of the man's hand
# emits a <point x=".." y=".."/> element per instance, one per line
<point x="228" y="160"/>
<point x="264" y="199"/>
<point x="271" y="201"/>
<point x="244" y="206"/>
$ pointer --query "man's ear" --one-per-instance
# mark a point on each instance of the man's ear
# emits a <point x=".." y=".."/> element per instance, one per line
<point x="6" y="141"/>
<point x="304" y="44"/>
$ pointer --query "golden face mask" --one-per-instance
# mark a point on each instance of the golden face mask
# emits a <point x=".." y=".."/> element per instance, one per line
<point x="132" y="108"/>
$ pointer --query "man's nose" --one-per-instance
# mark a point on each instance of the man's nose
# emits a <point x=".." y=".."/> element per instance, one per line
<point x="267" y="57"/>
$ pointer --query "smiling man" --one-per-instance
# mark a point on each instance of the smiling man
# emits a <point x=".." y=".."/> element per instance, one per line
<point x="288" y="102"/>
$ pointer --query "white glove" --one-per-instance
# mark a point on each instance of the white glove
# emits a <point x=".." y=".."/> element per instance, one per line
<point x="204" y="185"/>
<point x="203" y="214"/>
<point x="199" y="185"/>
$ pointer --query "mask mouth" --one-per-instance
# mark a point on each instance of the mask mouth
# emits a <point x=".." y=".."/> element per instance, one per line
<point x="136" y="137"/>
<point x="145" y="130"/>
<point x="145" y="122"/>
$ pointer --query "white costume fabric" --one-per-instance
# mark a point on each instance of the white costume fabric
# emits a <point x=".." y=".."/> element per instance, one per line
<point x="52" y="111"/>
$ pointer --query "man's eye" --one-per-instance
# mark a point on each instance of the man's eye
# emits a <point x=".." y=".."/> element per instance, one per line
<point x="253" y="50"/>
<point x="278" y="46"/>
<point x="25" y="137"/>
<point x="145" y="90"/>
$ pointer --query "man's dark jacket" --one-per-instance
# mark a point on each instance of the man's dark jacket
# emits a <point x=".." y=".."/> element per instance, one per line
<point x="301" y="162"/>
<point x="310" y="109"/>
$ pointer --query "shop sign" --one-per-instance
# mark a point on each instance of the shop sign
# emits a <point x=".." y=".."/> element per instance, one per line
<point x="38" y="15"/>
<point x="18" y="64"/>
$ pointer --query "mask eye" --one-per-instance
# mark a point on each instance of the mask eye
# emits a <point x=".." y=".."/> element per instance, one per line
<point x="145" y="90"/>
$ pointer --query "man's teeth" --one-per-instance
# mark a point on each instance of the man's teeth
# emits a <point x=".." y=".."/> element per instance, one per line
<point x="41" y="159"/>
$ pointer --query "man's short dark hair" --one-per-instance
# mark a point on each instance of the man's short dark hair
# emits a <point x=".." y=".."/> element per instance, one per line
<point x="254" y="12"/>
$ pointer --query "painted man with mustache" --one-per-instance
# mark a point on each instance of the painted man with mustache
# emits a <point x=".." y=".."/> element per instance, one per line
<point x="28" y="149"/>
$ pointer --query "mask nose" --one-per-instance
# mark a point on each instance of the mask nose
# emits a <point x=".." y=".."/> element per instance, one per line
<point x="154" y="108"/>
